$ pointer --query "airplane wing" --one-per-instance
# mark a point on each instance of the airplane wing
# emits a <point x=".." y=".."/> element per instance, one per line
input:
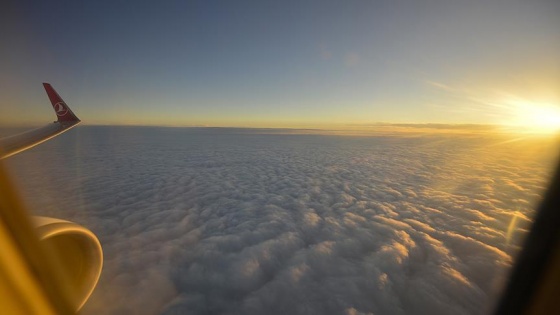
<point x="20" y="142"/>
<point x="47" y="265"/>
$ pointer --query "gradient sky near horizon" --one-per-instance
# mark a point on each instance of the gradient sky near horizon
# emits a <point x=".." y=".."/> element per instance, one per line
<point x="283" y="63"/>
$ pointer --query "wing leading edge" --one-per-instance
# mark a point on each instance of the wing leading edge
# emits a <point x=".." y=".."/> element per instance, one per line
<point x="66" y="119"/>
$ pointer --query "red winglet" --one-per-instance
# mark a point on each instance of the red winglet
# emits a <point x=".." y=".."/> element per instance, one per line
<point x="63" y="112"/>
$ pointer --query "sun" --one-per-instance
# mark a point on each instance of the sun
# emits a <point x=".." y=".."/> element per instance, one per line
<point x="545" y="119"/>
<point x="536" y="117"/>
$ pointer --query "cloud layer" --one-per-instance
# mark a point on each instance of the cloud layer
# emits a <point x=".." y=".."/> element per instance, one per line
<point x="205" y="221"/>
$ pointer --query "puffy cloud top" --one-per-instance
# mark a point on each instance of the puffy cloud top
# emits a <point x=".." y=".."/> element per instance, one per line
<point x="203" y="221"/>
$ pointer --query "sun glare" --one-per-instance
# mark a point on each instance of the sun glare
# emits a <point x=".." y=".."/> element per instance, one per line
<point x="536" y="117"/>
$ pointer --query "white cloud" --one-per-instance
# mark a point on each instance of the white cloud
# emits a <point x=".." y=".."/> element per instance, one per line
<point x="210" y="223"/>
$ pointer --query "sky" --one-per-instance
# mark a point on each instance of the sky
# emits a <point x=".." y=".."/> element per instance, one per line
<point x="300" y="64"/>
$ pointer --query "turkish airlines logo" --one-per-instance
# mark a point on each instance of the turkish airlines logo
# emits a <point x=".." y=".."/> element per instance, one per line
<point x="60" y="109"/>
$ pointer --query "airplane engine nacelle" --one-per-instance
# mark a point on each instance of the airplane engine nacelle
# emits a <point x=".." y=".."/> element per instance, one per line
<point x="78" y="251"/>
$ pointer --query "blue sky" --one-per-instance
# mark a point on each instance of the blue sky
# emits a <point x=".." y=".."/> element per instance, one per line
<point x="281" y="63"/>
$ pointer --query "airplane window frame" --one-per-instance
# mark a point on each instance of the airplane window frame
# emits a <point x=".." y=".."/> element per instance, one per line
<point x="534" y="282"/>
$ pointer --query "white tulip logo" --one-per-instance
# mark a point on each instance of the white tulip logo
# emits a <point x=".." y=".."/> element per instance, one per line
<point x="60" y="109"/>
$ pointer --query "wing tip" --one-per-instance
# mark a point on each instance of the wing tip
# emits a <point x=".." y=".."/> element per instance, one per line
<point x="63" y="112"/>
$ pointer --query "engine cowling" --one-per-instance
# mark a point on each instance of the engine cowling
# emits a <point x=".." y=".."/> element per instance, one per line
<point x="79" y="253"/>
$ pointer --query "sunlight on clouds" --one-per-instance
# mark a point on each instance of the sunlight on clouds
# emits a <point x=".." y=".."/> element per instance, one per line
<point x="233" y="221"/>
